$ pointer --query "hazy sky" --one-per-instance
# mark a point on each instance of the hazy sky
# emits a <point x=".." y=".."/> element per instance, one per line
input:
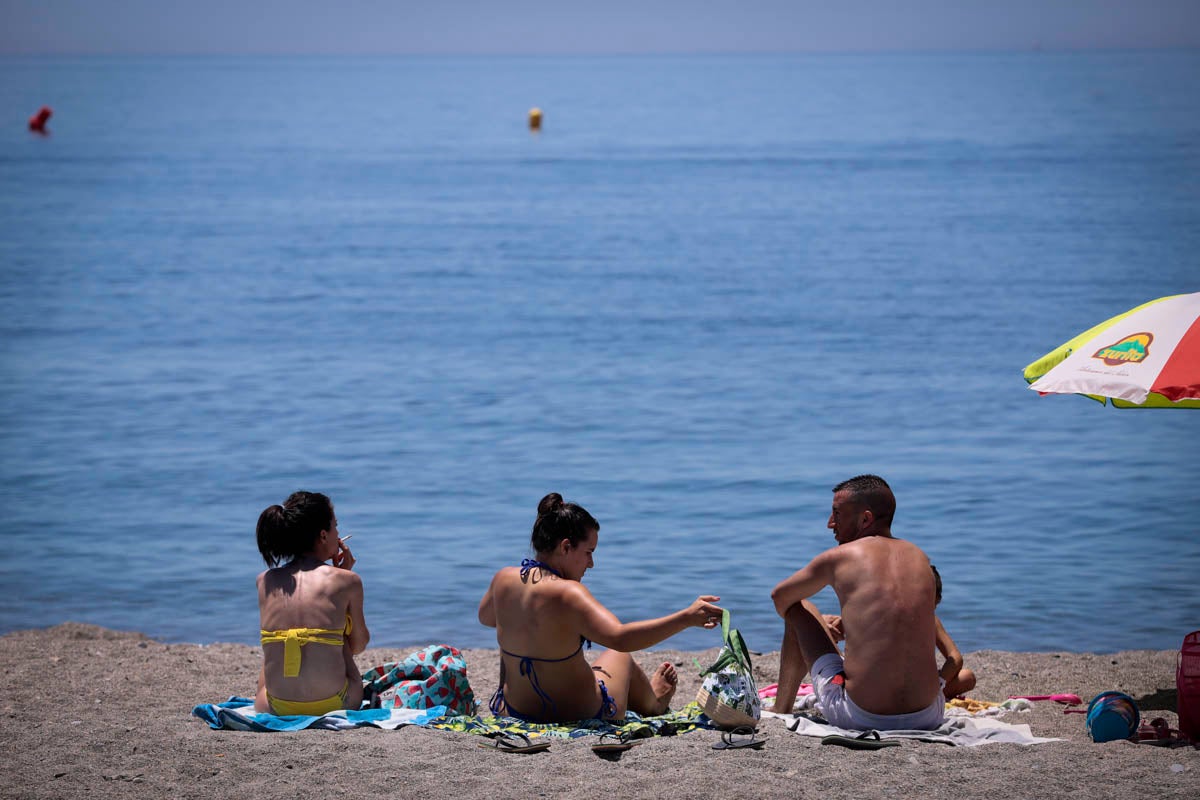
<point x="599" y="26"/>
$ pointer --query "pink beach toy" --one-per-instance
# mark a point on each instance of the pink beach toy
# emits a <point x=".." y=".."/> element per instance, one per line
<point x="773" y="689"/>
<point x="1065" y="699"/>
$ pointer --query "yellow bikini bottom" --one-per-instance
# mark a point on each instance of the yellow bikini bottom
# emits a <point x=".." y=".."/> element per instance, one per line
<point x="309" y="708"/>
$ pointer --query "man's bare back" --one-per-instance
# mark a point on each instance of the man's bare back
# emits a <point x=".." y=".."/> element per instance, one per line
<point x="885" y="588"/>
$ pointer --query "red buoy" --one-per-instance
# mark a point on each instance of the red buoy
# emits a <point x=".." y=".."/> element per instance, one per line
<point x="37" y="123"/>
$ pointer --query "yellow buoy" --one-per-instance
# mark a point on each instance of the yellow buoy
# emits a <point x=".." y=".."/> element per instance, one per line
<point x="535" y="119"/>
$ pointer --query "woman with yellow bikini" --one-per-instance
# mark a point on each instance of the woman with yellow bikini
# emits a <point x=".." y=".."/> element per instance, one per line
<point x="311" y="611"/>
<point x="544" y="615"/>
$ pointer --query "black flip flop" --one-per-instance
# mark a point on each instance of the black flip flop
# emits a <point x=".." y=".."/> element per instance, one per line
<point x="739" y="738"/>
<point x="867" y="740"/>
<point x="613" y="743"/>
<point x="514" y="743"/>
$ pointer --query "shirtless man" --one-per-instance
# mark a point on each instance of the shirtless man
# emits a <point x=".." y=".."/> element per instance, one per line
<point x="886" y="591"/>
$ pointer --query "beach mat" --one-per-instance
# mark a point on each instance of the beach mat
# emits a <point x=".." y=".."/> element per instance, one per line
<point x="959" y="730"/>
<point x="238" y="714"/>
<point x="688" y="718"/>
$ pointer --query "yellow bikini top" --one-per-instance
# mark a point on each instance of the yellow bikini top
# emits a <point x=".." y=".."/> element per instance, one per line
<point x="295" y="638"/>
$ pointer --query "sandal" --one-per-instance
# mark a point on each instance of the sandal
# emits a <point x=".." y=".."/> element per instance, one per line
<point x="1158" y="733"/>
<point x="867" y="740"/>
<point x="738" y="738"/>
<point x="613" y="743"/>
<point x="514" y="743"/>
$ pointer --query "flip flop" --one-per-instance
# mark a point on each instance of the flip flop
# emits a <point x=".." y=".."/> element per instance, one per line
<point x="739" y="738"/>
<point x="867" y="740"/>
<point x="514" y="743"/>
<point x="613" y="743"/>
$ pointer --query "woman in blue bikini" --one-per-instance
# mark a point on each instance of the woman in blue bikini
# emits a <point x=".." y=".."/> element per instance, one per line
<point x="543" y="616"/>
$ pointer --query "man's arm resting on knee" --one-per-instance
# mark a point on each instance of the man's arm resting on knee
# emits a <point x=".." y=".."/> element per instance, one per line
<point x="803" y="584"/>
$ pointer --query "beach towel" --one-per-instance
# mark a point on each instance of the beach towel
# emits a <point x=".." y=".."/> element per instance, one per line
<point x="238" y="714"/>
<point x="635" y="726"/>
<point x="985" y="708"/>
<point x="960" y="729"/>
<point x="806" y="703"/>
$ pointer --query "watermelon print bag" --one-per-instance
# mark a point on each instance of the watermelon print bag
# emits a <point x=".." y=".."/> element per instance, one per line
<point x="435" y="676"/>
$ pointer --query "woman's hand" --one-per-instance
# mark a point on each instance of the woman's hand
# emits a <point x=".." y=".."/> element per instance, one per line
<point x="702" y="613"/>
<point x="344" y="558"/>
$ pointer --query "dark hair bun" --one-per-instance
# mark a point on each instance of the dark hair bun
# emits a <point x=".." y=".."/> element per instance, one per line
<point x="550" y="503"/>
<point x="289" y="529"/>
<point x="557" y="520"/>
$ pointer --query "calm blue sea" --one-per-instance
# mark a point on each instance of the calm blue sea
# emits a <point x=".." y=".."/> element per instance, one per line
<point x="708" y="290"/>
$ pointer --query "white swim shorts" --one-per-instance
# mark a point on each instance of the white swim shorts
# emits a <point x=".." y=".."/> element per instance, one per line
<point x="835" y="704"/>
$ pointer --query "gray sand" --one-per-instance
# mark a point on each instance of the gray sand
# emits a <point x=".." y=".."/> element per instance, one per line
<point x="99" y="713"/>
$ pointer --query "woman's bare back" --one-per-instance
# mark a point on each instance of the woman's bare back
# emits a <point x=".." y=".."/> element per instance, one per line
<point x="534" y="625"/>
<point x="296" y="597"/>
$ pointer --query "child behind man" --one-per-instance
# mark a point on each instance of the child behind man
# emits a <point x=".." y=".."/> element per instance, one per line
<point x="958" y="680"/>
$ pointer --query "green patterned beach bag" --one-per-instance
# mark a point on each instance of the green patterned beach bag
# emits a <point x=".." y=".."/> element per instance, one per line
<point x="728" y="695"/>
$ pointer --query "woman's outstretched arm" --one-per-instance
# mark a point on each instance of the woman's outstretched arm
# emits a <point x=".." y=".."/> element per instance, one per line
<point x="601" y="626"/>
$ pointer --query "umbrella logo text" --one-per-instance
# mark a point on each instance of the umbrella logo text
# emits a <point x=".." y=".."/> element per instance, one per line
<point x="1133" y="349"/>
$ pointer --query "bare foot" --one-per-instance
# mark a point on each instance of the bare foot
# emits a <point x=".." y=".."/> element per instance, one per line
<point x="663" y="683"/>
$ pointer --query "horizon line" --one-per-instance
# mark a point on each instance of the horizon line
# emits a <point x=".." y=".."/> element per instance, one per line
<point x="1031" y="49"/>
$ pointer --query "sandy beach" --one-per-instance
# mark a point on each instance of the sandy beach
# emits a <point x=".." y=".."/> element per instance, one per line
<point x="99" y="713"/>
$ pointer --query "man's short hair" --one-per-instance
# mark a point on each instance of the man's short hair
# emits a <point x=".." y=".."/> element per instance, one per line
<point x="873" y="493"/>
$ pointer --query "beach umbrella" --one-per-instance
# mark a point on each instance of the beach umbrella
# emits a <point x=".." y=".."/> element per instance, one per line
<point x="1148" y="357"/>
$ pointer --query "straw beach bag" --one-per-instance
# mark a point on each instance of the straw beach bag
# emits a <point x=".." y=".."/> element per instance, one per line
<point x="728" y="695"/>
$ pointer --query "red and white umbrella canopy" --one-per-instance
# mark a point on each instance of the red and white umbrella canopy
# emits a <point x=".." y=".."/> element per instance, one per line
<point x="1148" y="357"/>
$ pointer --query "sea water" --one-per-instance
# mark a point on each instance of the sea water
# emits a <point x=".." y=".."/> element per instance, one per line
<point x="708" y="290"/>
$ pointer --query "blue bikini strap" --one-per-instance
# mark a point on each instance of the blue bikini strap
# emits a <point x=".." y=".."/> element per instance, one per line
<point x="608" y="706"/>
<point x="530" y="563"/>
<point x="528" y="672"/>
